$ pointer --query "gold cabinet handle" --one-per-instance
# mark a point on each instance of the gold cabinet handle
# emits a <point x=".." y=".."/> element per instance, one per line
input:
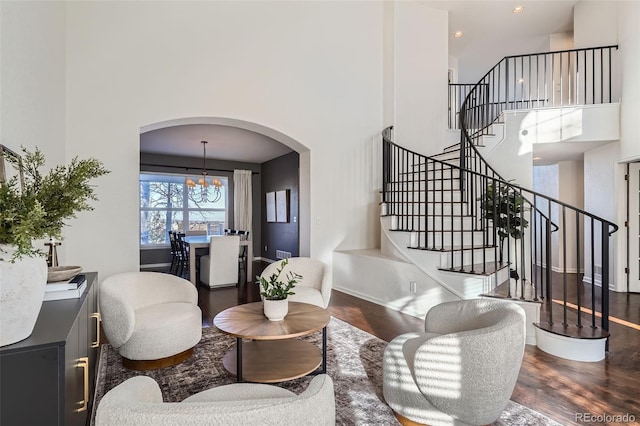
<point x="98" y="318"/>
<point x="84" y="364"/>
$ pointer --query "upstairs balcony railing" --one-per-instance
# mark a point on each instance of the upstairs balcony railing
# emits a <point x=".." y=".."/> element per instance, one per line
<point x="540" y="80"/>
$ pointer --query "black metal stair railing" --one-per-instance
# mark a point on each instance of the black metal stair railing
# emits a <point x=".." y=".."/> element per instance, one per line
<point x="419" y="194"/>
<point x="463" y="206"/>
<point x="456" y="95"/>
<point x="553" y="79"/>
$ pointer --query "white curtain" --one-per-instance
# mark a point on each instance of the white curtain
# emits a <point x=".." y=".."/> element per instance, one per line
<point x="242" y="205"/>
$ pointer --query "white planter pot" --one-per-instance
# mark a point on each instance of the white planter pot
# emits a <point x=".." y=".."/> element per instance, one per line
<point x="22" y="285"/>
<point x="275" y="310"/>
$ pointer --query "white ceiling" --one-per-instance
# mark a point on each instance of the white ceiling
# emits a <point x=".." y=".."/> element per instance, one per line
<point x="491" y="31"/>
<point x="488" y="25"/>
<point x="224" y="143"/>
<point x="551" y="153"/>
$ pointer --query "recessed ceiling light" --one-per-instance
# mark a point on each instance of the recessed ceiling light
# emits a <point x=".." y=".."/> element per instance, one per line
<point x="537" y="158"/>
<point x="458" y="34"/>
<point x="518" y="9"/>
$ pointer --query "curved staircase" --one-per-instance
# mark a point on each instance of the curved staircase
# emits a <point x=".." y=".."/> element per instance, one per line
<point x="480" y="235"/>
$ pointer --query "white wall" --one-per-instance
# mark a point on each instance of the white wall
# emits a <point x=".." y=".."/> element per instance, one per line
<point x="388" y="115"/>
<point x="309" y="70"/>
<point x="561" y="41"/>
<point x="570" y="191"/>
<point x="629" y="65"/>
<point x="545" y="181"/>
<point x="513" y="157"/>
<point x="602" y="191"/>
<point x="595" y="23"/>
<point x="598" y="24"/>
<point x="32" y="101"/>
<point x="421" y="64"/>
<point x="574" y="124"/>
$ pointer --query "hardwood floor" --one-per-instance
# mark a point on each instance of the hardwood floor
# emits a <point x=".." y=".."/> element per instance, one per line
<point x="556" y="387"/>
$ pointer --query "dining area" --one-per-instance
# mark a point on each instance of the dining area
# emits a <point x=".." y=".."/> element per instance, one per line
<point x="211" y="260"/>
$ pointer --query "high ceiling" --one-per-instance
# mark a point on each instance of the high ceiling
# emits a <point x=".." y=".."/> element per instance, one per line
<point x="491" y="31"/>
<point x="490" y="24"/>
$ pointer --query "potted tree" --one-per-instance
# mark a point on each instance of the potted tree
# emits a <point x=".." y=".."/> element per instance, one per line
<point x="275" y="292"/>
<point x="34" y="206"/>
<point x="504" y="207"/>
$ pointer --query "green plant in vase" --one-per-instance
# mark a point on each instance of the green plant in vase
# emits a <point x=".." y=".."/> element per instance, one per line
<point x="33" y="206"/>
<point x="275" y="289"/>
<point x="276" y="292"/>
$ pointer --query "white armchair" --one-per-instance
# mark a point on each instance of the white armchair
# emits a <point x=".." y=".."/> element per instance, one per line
<point x="152" y="319"/>
<point x="462" y="369"/>
<point x="138" y="401"/>
<point x="315" y="285"/>
<point x="220" y="266"/>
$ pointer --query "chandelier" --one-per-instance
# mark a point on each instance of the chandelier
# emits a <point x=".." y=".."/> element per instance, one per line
<point x="209" y="190"/>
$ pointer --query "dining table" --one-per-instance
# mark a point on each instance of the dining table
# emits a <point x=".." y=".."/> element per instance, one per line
<point x="201" y="243"/>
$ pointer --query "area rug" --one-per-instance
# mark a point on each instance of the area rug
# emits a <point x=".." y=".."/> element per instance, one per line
<point x="354" y="362"/>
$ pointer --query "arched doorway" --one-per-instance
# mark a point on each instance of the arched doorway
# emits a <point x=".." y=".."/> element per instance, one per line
<point x="242" y="128"/>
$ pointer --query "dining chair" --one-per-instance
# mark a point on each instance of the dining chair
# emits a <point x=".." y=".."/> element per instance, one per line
<point x="174" y="253"/>
<point x="220" y="266"/>
<point x="183" y="255"/>
<point x="242" y="257"/>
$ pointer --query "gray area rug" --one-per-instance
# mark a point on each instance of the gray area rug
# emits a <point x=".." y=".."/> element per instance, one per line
<point x="354" y="362"/>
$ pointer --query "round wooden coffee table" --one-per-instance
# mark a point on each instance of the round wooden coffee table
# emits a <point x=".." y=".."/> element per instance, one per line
<point x="273" y="354"/>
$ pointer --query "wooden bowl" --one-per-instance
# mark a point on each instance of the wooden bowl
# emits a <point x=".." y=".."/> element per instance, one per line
<point x="62" y="273"/>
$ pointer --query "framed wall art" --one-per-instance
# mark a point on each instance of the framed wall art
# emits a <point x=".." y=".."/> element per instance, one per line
<point x="282" y="205"/>
<point x="10" y="166"/>
<point x="271" y="206"/>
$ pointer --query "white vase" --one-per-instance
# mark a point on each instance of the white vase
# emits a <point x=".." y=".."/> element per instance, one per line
<point x="22" y="285"/>
<point x="275" y="310"/>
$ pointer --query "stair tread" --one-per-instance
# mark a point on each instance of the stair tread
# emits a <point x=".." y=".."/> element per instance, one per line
<point x="489" y="269"/>
<point x="439" y="162"/>
<point x="454" y="248"/>
<point x="430" y="217"/>
<point x="446" y="231"/>
<point x="457" y="157"/>
<point x="573" y="331"/>
<point x="502" y="292"/>
<point x="457" y="145"/>
<point x="431" y="202"/>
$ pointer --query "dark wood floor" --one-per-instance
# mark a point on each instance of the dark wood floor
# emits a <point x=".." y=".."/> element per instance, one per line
<point x="553" y="386"/>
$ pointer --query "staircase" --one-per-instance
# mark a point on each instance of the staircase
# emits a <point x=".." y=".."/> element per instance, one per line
<point x="478" y="234"/>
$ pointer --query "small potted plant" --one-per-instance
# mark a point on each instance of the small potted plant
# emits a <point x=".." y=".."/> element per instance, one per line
<point x="275" y="292"/>
<point x="34" y="206"/>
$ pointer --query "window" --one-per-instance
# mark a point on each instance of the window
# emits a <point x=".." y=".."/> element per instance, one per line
<point x="166" y="203"/>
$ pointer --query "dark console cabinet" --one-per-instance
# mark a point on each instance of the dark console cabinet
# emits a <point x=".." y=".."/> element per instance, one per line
<point x="48" y="378"/>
